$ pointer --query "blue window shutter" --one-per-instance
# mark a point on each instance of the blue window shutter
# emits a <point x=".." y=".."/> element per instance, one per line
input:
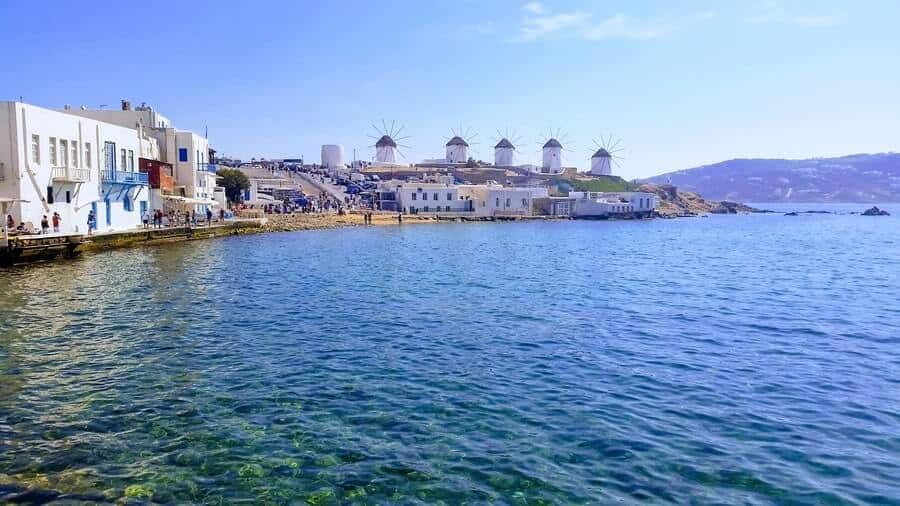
<point x="182" y="155"/>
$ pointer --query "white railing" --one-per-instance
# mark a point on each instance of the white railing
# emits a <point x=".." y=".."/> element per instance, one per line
<point x="73" y="175"/>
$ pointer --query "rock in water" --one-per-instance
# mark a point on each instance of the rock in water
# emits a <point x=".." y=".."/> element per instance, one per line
<point x="791" y="214"/>
<point x="874" y="211"/>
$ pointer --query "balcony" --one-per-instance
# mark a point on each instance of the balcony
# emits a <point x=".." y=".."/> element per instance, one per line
<point x="70" y="175"/>
<point x="208" y="167"/>
<point x="124" y="177"/>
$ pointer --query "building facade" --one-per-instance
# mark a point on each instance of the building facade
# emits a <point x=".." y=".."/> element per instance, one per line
<point x="57" y="162"/>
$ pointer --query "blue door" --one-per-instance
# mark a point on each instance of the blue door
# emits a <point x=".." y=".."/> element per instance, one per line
<point x="108" y="213"/>
<point x="143" y="207"/>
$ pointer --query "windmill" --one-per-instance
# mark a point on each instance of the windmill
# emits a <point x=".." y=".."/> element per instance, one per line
<point x="551" y="161"/>
<point x="504" y="150"/>
<point x="606" y="155"/>
<point x="458" y="145"/>
<point x="388" y="142"/>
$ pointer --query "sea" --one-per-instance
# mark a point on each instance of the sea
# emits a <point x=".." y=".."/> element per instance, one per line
<point x="749" y="359"/>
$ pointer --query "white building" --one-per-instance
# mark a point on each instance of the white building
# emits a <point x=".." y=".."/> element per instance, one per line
<point x="552" y="159"/>
<point x="457" y="150"/>
<point x="57" y="162"/>
<point x="602" y="204"/>
<point x="432" y="198"/>
<point x="600" y="163"/>
<point x="187" y="152"/>
<point x="503" y="153"/>
<point x="497" y="200"/>
<point x="332" y="156"/>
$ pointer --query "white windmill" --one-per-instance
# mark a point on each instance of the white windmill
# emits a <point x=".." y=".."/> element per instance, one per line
<point x="551" y="161"/>
<point x="386" y="144"/>
<point x="605" y="156"/>
<point x="505" y="150"/>
<point x="458" y="145"/>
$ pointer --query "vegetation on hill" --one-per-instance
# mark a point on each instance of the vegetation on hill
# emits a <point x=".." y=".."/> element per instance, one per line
<point x="596" y="184"/>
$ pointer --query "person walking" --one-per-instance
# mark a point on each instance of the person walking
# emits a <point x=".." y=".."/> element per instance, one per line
<point x="45" y="225"/>
<point x="146" y="219"/>
<point x="90" y="221"/>
<point x="56" y="219"/>
<point x="209" y="216"/>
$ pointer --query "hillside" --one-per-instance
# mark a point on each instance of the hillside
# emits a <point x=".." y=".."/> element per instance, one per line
<point x="853" y="178"/>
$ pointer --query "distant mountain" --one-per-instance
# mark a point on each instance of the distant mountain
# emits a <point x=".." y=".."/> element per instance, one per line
<point x="853" y="178"/>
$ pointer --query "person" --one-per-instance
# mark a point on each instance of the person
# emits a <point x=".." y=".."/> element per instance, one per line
<point x="91" y="222"/>
<point x="10" y="222"/>
<point x="45" y="225"/>
<point x="221" y="214"/>
<point x="56" y="219"/>
<point x="208" y="216"/>
<point x="146" y="219"/>
<point x="399" y="218"/>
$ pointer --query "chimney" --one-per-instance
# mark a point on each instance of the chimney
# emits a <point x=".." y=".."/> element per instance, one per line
<point x="126" y="105"/>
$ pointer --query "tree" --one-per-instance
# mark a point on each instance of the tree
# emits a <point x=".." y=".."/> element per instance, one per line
<point x="234" y="182"/>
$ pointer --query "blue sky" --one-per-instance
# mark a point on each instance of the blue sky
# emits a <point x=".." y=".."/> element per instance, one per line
<point x="681" y="83"/>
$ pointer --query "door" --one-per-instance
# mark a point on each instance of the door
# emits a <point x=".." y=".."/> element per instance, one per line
<point x="108" y="213"/>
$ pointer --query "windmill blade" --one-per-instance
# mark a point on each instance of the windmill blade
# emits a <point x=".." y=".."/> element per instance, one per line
<point x="383" y="124"/>
<point x="392" y="128"/>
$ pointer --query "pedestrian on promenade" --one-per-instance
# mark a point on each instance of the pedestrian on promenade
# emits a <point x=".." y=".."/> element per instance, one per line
<point x="91" y="222"/>
<point x="146" y="219"/>
<point x="208" y="216"/>
<point x="221" y="215"/>
<point x="45" y="225"/>
<point x="56" y="219"/>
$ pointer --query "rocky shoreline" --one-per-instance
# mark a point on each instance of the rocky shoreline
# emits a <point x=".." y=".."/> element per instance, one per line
<point x="680" y="204"/>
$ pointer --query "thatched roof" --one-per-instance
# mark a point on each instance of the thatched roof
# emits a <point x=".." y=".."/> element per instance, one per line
<point x="504" y="143"/>
<point x="385" y="141"/>
<point x="602" y="153"/>
<point x="457" y="141"/>
<point x="553" y="143"/>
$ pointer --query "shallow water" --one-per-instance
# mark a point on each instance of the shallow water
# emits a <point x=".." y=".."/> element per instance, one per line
<point x="738" y="359"/>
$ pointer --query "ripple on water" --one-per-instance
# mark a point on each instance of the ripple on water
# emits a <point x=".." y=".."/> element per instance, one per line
<point x="728" y="360"/>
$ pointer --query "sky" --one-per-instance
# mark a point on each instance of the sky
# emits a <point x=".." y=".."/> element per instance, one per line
<point x="681" y="83"/>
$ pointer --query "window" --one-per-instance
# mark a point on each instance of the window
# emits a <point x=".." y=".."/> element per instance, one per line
<point x="435" y="196"/>
<point x="182" y="155"/>
<point x="131" y="160"/>
<point x="87" y="154"/>
<point x="74" y="154"/>
<point x="414" y="196"/>
<point x="507" y="201"/>
<point x="68" y="197"/>
<point x="123" y="157"/>
<point x="524" y="202"/>
<point x="426" y="209"/>
<point x="36" y="149"/>
<point x="52" y="150"/>
<point x="49" y="194"/>
<point x="64" y="152"/>
<point x="449" y="196"/>
<point x="497" y="204"/>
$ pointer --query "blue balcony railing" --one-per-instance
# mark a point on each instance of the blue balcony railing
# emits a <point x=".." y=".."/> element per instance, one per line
<point x="124" y="177"/>
<point x="208" y="167"/>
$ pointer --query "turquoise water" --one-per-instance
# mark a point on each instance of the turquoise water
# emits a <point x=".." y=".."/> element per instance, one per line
<point x="736" y="359"/>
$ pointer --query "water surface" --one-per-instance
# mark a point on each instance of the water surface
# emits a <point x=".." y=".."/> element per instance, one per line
<point x="737" y="359"/>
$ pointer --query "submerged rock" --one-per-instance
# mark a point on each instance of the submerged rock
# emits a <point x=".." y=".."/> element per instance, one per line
<point x="791" y="214"/>
<point x="874" y="211"/>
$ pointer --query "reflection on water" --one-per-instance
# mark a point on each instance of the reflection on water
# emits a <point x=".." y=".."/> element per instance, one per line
<point x="727" y="359"/>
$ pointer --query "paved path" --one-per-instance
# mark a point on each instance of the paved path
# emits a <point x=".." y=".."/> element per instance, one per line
<point x="312" y="181"/>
